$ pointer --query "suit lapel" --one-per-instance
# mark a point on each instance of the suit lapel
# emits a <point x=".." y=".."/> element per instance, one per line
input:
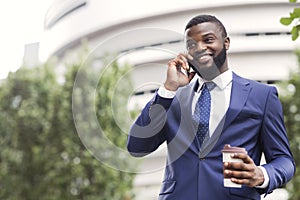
<point x="239" y="94"/>
<point x="185" y="97"/>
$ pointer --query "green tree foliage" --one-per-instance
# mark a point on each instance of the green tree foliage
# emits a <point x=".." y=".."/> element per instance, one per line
<point x="293" y="17"/>
<point x="41" y="155"/>
<point x="290" y="98"/>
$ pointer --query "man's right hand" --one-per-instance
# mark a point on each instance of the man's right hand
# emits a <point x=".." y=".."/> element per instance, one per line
<point x="176" y="76"/>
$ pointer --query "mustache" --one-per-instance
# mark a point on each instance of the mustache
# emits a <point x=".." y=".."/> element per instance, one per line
<point x="199" y="54"/>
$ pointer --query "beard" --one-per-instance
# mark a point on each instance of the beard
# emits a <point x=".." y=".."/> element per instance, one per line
<point x="212" y="71"/>
<point x="220" y="58"/>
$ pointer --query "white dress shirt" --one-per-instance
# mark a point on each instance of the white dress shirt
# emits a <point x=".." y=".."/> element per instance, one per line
<point x="220" y="98"/>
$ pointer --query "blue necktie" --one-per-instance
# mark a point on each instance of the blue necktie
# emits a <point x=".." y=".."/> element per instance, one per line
<point x="202" y="112"/>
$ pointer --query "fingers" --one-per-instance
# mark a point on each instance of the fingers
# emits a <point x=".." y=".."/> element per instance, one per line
<point x="239" y="170"/>
<point x="239" y="177"/>
<point x="250" y="178"/>
<point x="246" y="172"/>
<point x="181" y="61"/>
<point x="186" y="57"/>
<point x="178" y="74"/>
<point x="246" y="158"/>
<point x="242" y="181"/>
<point x="245" y="164"/>
<point x="179" y="65"/>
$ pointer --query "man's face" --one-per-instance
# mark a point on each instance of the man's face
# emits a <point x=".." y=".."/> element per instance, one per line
<point x="206" y="45"/>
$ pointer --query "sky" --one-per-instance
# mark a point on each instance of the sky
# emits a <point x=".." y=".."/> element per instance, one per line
<point x="21" y="23"/>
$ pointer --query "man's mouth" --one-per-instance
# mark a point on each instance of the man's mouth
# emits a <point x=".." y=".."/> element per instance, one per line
<point x="204" y="57"/>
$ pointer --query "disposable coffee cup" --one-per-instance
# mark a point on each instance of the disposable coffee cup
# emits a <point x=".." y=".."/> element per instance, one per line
<point x="227" y="152"/>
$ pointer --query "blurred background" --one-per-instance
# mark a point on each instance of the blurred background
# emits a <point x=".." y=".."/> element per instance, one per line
<point x="46" y="44"/>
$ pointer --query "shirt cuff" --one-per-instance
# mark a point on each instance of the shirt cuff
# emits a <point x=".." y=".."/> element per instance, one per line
<point x="163" y="92"/>
<point x="267" y="179"/>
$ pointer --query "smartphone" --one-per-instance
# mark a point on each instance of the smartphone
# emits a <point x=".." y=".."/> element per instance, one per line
<point x="192" y="67"/>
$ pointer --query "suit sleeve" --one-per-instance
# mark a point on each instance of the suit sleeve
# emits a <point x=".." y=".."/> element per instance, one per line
<point x="280" y="164"/>
<point x="147" y="133"/>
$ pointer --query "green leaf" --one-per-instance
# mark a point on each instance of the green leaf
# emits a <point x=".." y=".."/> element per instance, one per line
<point x="286" y="20"/>
<point x="295" y="13"/>
<point x="293" y="1"/>
<point x="295" y="32"/>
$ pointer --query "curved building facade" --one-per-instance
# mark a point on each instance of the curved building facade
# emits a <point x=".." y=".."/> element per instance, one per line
<point x="149" y="33"/>
<point x="261" y="48"/>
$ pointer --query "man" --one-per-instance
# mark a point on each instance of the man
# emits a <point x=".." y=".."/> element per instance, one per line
<point x="235" y="111"/>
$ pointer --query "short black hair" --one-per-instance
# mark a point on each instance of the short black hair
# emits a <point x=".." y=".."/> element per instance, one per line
<point x="206" y="18"/>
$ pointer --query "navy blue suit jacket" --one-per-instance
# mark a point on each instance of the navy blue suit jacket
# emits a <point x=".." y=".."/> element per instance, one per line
<point x="254" y="120"/>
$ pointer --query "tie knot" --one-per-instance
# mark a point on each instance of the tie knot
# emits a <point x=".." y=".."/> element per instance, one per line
<point x="209" y="85"/>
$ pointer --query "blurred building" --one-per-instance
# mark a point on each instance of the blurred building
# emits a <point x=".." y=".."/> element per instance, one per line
<point x="31" y="55"/>
<point x="149" y="33"/>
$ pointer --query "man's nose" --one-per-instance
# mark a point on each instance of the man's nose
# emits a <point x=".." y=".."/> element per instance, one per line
<point x="201" y="46"/>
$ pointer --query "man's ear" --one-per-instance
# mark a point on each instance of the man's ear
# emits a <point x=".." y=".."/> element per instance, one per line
<point x="227" y="42"/>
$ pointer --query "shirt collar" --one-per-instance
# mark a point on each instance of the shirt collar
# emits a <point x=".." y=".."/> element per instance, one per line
<point x="221" y="81"/>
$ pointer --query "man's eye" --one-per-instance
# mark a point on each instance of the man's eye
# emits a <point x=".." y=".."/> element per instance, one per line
<point x="209" y="40"/>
